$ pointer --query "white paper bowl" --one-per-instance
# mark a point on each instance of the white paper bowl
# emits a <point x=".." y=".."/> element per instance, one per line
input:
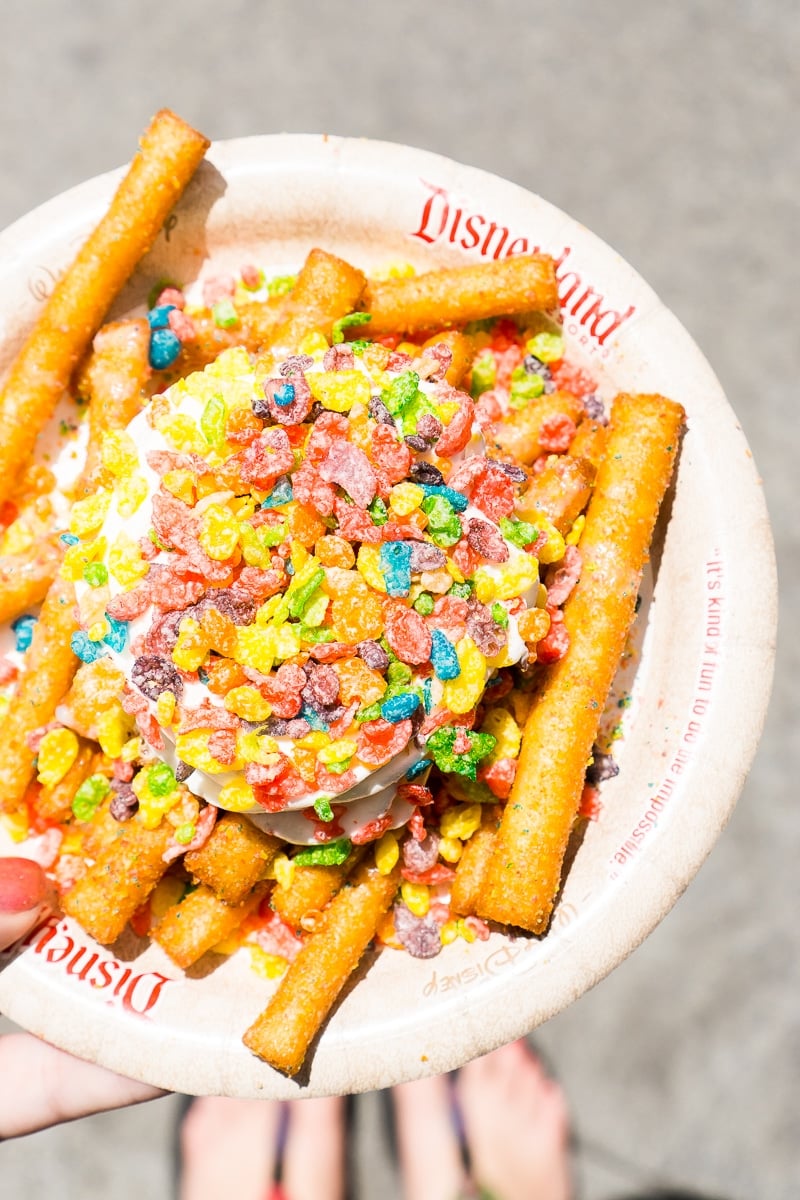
<point x="701" y="687"/>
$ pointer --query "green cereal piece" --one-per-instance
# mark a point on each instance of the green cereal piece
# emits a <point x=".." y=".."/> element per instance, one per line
<point x="520" y="533"/>
<point x="332" y="854"/>
<point x="280" y="285"/>
<point x="424" y="604"/>
<point x="372" y="712"/>
<point x="313" y="635"/>
<point x="322" y="807"/>
<point x="161" y="779"/>
<point x="225" y="314"/>
<point x="500" y="615"/>
<point x="525" y="390"/>
<point x="95" y="574"/>
<point x="442" y="741"/>
<point x="401" y="392"/>
<point x="352" y="319"/>
<point x="185" y="833"/>
<point x="444" y="525"/>
<point x="212" y="421"/>
<point x="300" y="598"/>
<point x="462" y="590"/>
<point x="88" y="797"/>
<point x="378" y="511"/>
<point x="398" y="672"/>
<point x="547" y="347"/>
<point x="484" y="374"/>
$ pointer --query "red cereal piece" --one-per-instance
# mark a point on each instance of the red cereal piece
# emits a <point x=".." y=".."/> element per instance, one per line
<point x="207" y="716"/>
<point x="488" y="410"/>
<point x="493" y="494"/>
<point x="8" y="672"/>
<point x="486" y="540"/>
<point x="436" y="874"/>
<point x="349" y="466"/>
<point x="327" y="781"/>
<point x="572" y="379"/>
<point x="355" y="524"/>
<point x="296" y="412"/>
<point x="415" y="793"/>
<point x="339" y="728"/>
<point x="416" y="826"/>
<point x="326" y="652"/>
<point x="326" y="831"/>
<point x="380" y="740"/>
<point x="465" y="558"/>
<point x="171" y="295"/>
<point x="182" y="326"/>
<point x="556" y="433"/>
<point x="391" y="455"/>
<point x="450" y="615"/>
<point x="555" y="643"/>
<point x="312" y="490"/>
<point x="455" y="435"/>
<point x="591" y="805"/>
<point x="407" y="633"/>
<point x="499" y="777"/>
<point x="218" y="287"/>
<point x="327" y="426"/>
<point x="251" y="277"/>
<point x="176" y="525"/>
<point x="467" y="473"/>
<point x="261" y="584"/>
<point x="167" y="589"/>
<point x="272" y="933"/>
<point x="134" y="703"/>
<point x="222" y="746"/>
<point x="266" y="458"/>
<point x="372" y="830"/>
<point x="284" y="689"/>
<point x="274" y="786"/>
<point x="162" y="461"/>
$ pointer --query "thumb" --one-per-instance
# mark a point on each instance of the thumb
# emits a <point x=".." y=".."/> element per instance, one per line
<point x="23" y="889"/>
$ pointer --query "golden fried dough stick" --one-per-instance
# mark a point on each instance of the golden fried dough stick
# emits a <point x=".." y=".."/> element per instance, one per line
<point x="201" y="920"/>
<point x="474" y="861"/>
<point x="519" y="435"/>
<point x="123" y="876"/>
<point x="282" y="1034"/>
<point x="327" y="289"/>
<point x="559" y="492"/>
<point x="233" y="859"/>
<point x="589" y="441"/>
<point x="112" y="379"/>
<point x="48" y="672"/>
<point x="170" y="152"/>
<point x="456" y="295"/>
<point x="25" y="578"/>
<point x="311" y="889"/>
<point x="523" y="875"/>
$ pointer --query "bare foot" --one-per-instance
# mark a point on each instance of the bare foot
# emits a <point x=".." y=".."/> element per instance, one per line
<point x="228" y="1148"/>
<point x="314" y="1157"/>
<point x="430" y="1157"/>
<point x="516" y="1125"/>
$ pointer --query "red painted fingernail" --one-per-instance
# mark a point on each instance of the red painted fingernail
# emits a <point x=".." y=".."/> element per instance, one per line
<point x="23" y="885"/>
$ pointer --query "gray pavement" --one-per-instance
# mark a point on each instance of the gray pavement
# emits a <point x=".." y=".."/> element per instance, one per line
<point x="670" y="130"/>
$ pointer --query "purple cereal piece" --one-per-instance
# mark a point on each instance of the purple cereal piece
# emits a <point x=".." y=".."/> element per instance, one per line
<point x="379" y="412"/>
<point x="421" y="856"/>
<point x="425" y="472"/>
<point x="283" y="727"/>
<point x="237" y="606"/>
<point x="562" y="577"/>
<point x="487" y="540"/>
<point x="595" y="409"/>
<point x="429" y="426"/>
<point x="163" y="633"/>
<point x="419" y="935"/>
<point x="373" y="654"/>
<point x="426" y="557"/>
<point x="512" y="470"/>
<point x="295" y="363"/>
<point x="416" y="442"/>
<point x="124" y="804"/>
<point x="153" y="675"/>
<point x="604" y="767"/>
<point x="487" y="635"/>
<point x="182" y="771"/>
<point x="322" y="688"/>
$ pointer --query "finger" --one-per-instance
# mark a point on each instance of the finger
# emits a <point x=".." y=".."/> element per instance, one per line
<point x="50" y="1086"/>
<point x="23" y="887"/>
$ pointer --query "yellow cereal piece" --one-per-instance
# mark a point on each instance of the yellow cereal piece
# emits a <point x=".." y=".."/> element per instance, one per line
<point x="416" y="897"/>
<point x="16" y="824"/>
<point x="339" y="390"/>
<point x="152" y="809"/>
<point x="192" y="645"/>
<point x="282" y="870"/>
<point x="131" y="750"/>
<point x="88" y="515"/>
<point x="314" y="740"/>
<point x="182" y="433"/>
<point x="450" y="849"/>
<point x="254" y="552"/>
<point x="248" y="703"/>
<point x="453" y="571"/>
<point x="58" y="750"/>
<point x="118" y="453"/>
<point x="180" y="484"/>
<point x="449" y="932"/>
<point x="368" y="564"/>
<point x="337" y="752"/>
<point x="405" y="497"/>
<point x="375" y="357"/>
<point x="409" y="348"/>
<point x="227" y="366"/>
<point x="165" y="709"/>
<point x="508" y="581"/>
<point x="447" y="410"/>
<point x="461" y="694"/>
<point x="299" y="556"/>
<point x="500" y="723"/>
<point x="313" y="343"/>
<point x="130" y="493"/>
<point x="574" y="535"/>
<point x="168" y="891"/>
<point x="460" y="821"/>
<point x="268" y="966"/>
<point x="252" y="747"/>
<point x="192" y="748"/>
<point x="18" y="538"/>
<point x="286" y="640"/>
<point x="268" y="610"/>
<point x="219" y="532"/>
<point x="553" y="549"/>
<point x="541" y="596"/>
<point x="387" y="852"/>
<point x="113" y="727"/>
<point x="125" y="562"/>
<point x="99" y="629"/>
<point x="243" y="507"/>
<point x="237" y="796"/>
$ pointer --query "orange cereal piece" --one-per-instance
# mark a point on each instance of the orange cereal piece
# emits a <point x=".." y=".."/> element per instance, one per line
<point x="240" y="423"/>
<point x="333" y="551"/>
<point x="221" y="631"/>
<point x="304" y="525"/>
<point x="356" y="613"/>
<point x="224" y="674"/>
<point x="357" y="681"/>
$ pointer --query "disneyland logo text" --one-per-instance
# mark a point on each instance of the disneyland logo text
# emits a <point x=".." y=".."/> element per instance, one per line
<point x="444" y="220"/>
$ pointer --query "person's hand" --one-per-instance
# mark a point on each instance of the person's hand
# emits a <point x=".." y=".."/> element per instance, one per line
<point x="39" y="1085"/>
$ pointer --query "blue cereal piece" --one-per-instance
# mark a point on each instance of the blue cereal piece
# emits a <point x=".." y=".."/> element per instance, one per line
<point x="68" y="539"/>
<point x="23" y="632"/>
<point x="400" y="708"/>
<point x="427" y="693"/>
<point x="418" y="768"/>
<point x="158" y="317"/>
<point x="315" y="721"/>
<point x="443" y="656"/>
<point x="117" y="636"/>
<point x="165" y="346"/>
<point x="458" y="501"/>
<point x="84" y="648"/>
<point x="284" y="395"/>
<point x="282" y="493"/>
<point x="395" y="565"/>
